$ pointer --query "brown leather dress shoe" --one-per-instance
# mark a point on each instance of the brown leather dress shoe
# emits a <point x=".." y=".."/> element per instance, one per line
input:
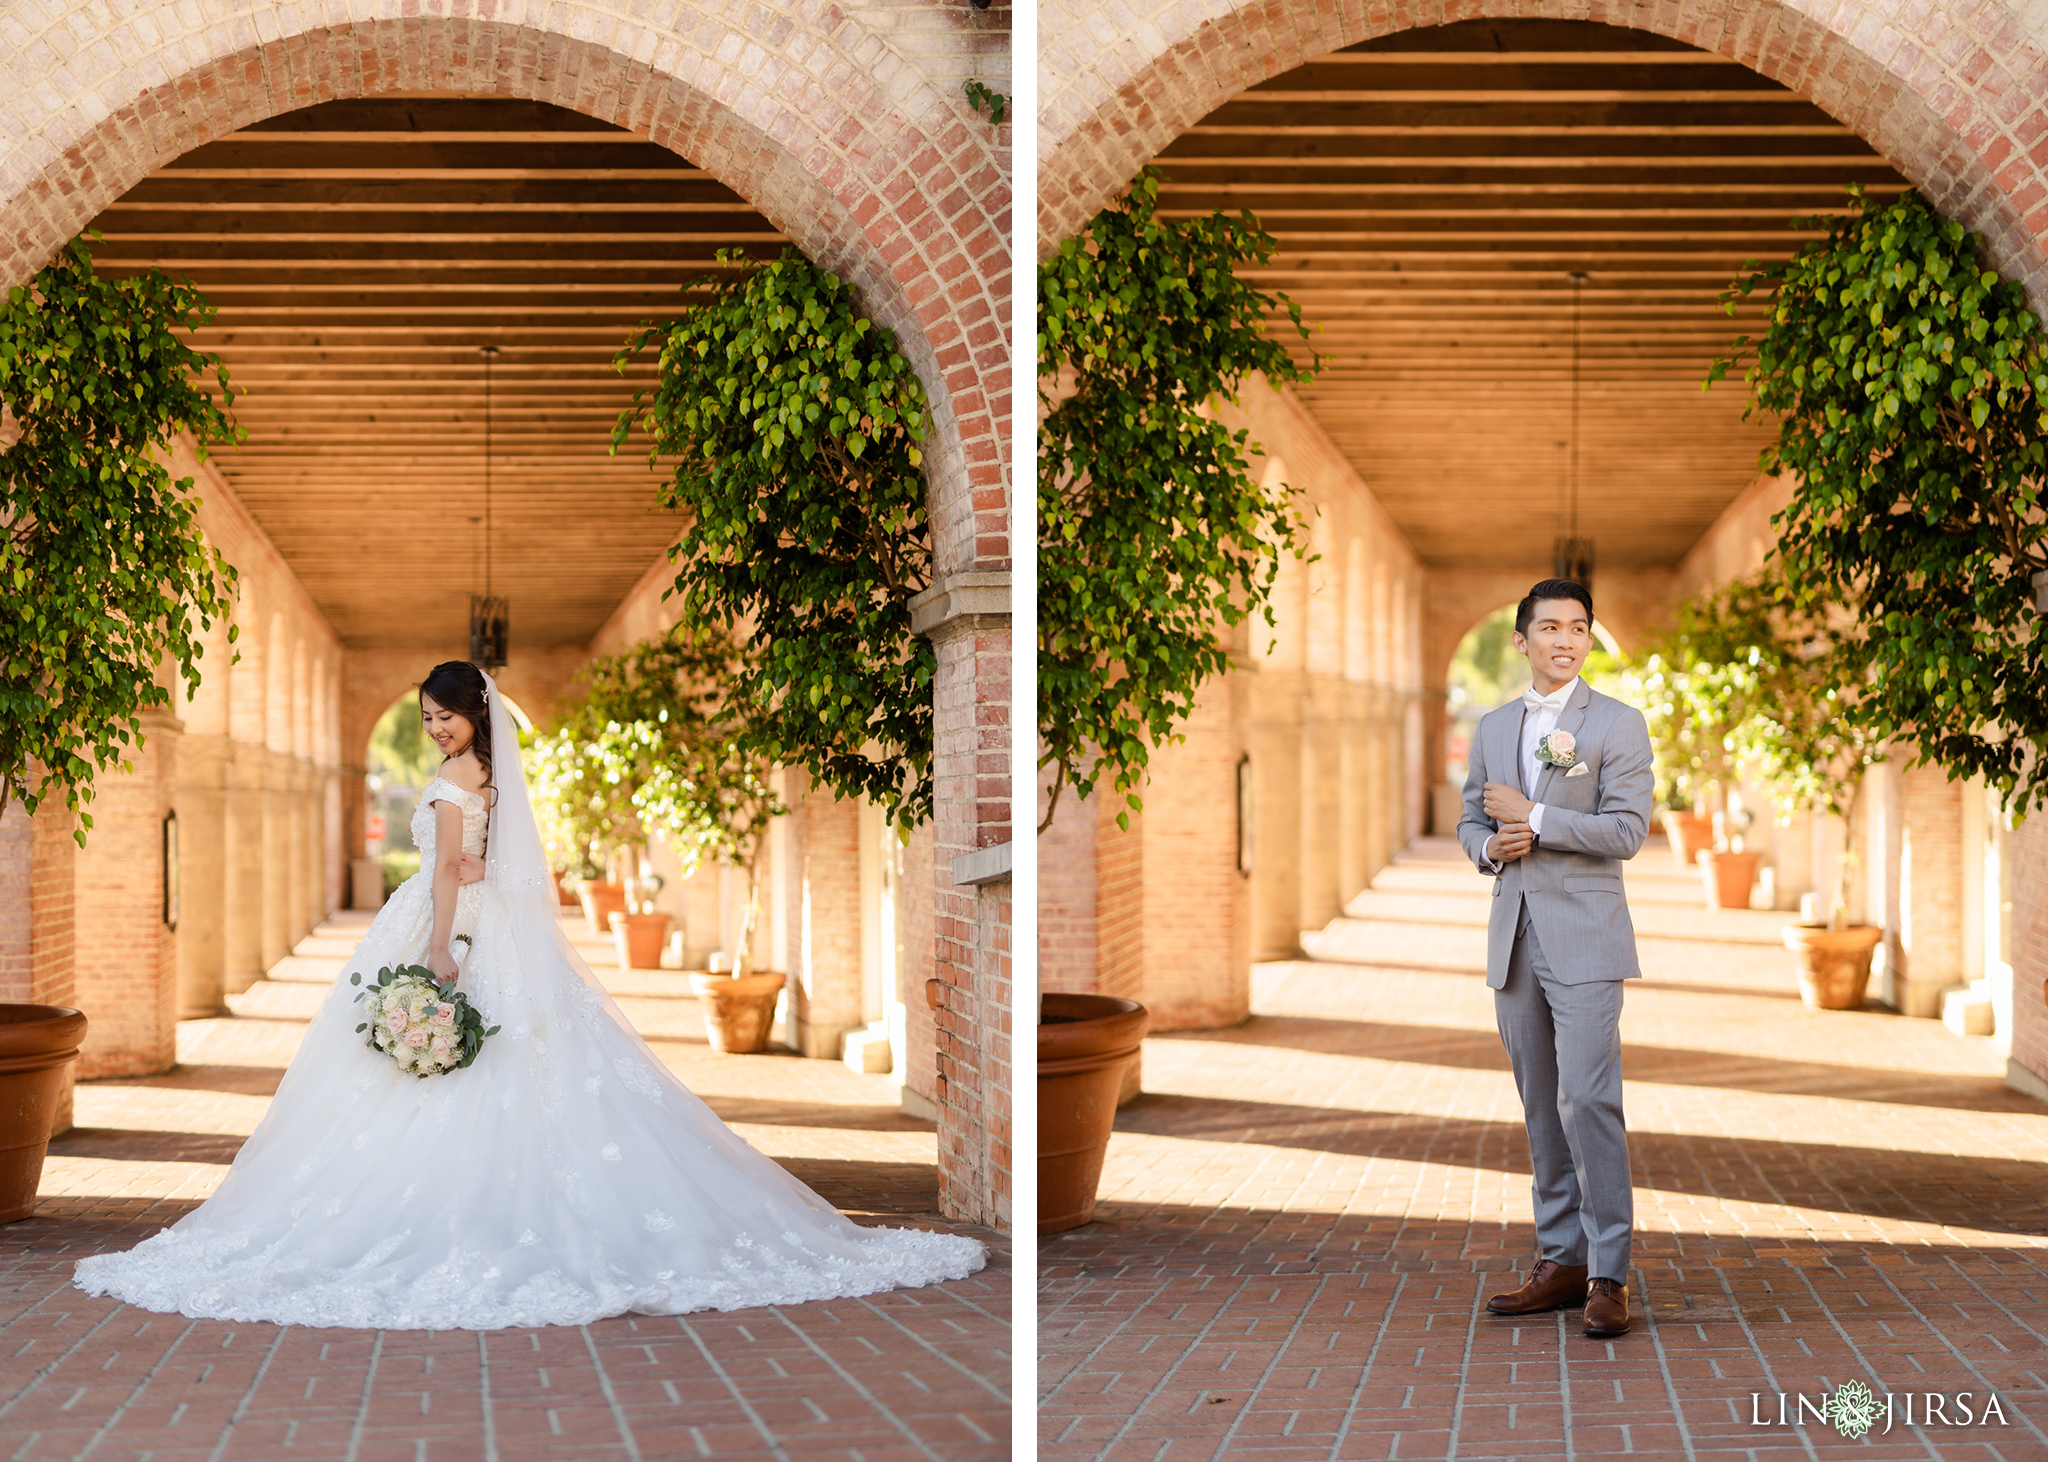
<point x="1551" y="1286"/>
<point x="1606" y="1308"/>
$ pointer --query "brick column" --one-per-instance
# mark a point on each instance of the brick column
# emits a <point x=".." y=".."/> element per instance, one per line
<point x="53" y="925"/>
<point x="311" y="901"/>
<point x="1929" y="935"/>
<point x="277" y="858"/>
<point x="2026" y="1066"/>
<point x="1275" y="733"/>
<point x="1354" y="792"/>
<point x="126" y="956"/>
<point x="966" y="618"/>
<point x="825" y="968"/>
<point x="202" y="803"/>
<point x="1322" y="774"/>
<point x="242" y="941"/>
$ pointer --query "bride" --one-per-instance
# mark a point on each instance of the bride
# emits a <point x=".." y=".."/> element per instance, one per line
<point x="563" y="1177"/>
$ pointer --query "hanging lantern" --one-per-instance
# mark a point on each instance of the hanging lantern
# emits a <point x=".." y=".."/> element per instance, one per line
<point x="1571" y="555"/>
<point x="490" y="619"/>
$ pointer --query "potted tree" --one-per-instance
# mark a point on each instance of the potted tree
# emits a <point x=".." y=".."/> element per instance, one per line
<point x="1653" y="685"/>
<point x="1813" y="752"/>
<point x="1153" y="537"/>
<point x="674" y="734"/>
<point x="107" y="585"/>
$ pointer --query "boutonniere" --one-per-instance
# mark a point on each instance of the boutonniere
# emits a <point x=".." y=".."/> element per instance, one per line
<point x="1558" y="749"/>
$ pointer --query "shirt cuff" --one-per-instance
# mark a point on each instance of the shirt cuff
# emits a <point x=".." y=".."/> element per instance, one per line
<point x="1536" y="819"/>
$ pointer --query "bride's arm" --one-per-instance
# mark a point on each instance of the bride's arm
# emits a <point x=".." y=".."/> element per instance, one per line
<point x="447" y="878"/>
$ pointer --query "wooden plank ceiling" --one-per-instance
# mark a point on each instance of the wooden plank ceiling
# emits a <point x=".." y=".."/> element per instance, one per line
<point x="1432" y="194"/>
<point x="360" y="252"/>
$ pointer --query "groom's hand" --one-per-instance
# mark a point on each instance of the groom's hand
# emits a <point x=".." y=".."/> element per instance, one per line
<point x="472" y="869"/>
<point x="1507" y="804"/>
<point x="1512" y="841"/>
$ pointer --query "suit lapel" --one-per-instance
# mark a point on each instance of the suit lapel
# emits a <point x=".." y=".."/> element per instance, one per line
<point x="1568" y="720"/>
<point x="1511" y="727"/>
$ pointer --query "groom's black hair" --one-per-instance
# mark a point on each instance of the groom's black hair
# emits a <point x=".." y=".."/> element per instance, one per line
<point x="1551" y="589"/>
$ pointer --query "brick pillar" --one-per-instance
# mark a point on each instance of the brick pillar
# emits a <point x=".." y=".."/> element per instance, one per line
<point x="17" y="912"/>
<point x="53" y="915"/>
<point x="126" y="956"/>
<point x="1275" y="727"/>
<point x="2026" y="847"/>
<point x="311" y="902"/>
<point x="202" y="803"/>
<point x="825" y="966"/>
<point x="242" y="941"/>
<point x="1322" y="773"/>
<point x="1354" y="792"/>
<point x="966" y="619"/>
<point x="1929" y="933"/>
<point x="277" y="858"/>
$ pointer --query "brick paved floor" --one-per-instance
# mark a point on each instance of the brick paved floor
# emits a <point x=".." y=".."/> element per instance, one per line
<point x="911" y="1374"/>
<point x="1303" y="1216"/>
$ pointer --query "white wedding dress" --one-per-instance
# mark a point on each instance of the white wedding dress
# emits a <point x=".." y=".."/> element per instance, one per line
<point x="565" y="1176"/>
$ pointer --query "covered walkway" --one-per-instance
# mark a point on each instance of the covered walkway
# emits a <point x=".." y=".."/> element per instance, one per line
<point x="914" y="1373"/>
<point x="1303" y="1215"/>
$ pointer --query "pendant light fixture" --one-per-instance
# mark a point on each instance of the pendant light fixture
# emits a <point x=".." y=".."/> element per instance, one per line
<point x="1572" y="556"/>
<point x="489" y="626"/>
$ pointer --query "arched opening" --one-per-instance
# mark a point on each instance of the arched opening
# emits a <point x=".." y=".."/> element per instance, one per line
<point x="370" y="204"/>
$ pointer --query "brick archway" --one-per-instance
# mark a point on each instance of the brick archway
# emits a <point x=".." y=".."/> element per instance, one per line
<point x="869" y="168"/>
<point x="1954" y="104"/>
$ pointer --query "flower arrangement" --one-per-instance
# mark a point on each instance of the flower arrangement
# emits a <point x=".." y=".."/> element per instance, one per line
<point x="425" y="1029"/>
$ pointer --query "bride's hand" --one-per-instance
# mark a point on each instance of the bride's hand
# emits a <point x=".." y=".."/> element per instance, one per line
<point x="472" y="870"/>
<point x="441" y="965"/>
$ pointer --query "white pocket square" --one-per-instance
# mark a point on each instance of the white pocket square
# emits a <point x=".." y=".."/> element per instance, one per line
<point x="1583" y="769"/>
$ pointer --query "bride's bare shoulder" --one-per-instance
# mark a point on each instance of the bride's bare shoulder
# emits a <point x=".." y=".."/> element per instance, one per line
<point x="464" y="773"/>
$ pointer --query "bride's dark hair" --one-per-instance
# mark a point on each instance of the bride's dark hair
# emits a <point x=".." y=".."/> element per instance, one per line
<point x="458" y="686"/>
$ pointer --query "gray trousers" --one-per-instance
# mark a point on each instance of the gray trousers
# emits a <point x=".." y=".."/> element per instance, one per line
<point x="1565" y="1043"/>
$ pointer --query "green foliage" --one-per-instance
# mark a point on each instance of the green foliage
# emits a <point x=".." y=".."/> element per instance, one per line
<point x="1485" y="670"/>
<point x="1152" y="532"/>
<point x="795" y="431"/>
<point x="584" y="807"/>
<point x="401" y="752"/>
<point x="671" y="733"/>
<point x="1910" y="381"/>
<point x="987" y="99"/>
<point x="104" y="575"/>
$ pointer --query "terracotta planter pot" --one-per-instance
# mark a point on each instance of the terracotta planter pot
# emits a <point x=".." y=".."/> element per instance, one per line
<point x="1084" y="1044"/>
<point x="1690" y="836"/>
<point x="37" y="1043"/>
<point x="1834" y="964"/>
<point x="563" y="895"/>
<point x="738" y="1010"/>
<point x="600" y="901"/>
<point x="639" y="938"/>
<point x="1728" y="877"/>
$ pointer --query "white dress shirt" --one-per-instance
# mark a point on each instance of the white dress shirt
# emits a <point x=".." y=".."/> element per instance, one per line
<point x="1538" y="722"/>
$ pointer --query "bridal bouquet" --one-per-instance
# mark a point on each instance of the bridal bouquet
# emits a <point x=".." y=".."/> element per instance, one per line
<point x="413" y="1022"/>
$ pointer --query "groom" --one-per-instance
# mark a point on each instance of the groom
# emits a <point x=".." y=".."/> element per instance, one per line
<point x="1558" y="796"/>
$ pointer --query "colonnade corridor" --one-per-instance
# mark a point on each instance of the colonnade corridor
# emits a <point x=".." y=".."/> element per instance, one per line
<point x="913" y="1372"/>
<point x="1302" y="1217"/>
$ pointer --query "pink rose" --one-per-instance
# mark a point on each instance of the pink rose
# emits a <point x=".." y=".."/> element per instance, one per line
<point x="1563" y="744"/>
<point x="396" y="1020"/>
<point x="416" y="1039"/>
<point x="440" y="1045"/>
<point x="444" y="1014"/>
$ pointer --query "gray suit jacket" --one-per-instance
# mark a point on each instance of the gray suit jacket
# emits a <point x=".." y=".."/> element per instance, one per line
<point x="1571" y="881"/>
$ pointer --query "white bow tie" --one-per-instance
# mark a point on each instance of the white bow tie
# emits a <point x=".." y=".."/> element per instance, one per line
<point x="1552" y="702"/>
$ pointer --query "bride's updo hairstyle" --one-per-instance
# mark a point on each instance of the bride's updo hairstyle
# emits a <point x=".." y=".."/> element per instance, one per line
<point x="458" y="686"/>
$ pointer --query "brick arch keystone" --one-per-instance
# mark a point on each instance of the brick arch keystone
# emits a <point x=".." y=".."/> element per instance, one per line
<point x="1954" y="93"/>
<point x="853" y="154"/>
